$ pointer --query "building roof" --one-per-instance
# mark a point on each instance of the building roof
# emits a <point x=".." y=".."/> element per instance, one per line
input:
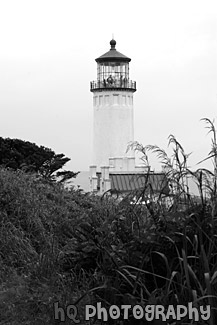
<point x="113" y="55"/>
<point x="125" y="183"/>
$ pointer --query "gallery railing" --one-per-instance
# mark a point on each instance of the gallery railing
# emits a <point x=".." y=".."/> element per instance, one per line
<point x="108" y="84"/>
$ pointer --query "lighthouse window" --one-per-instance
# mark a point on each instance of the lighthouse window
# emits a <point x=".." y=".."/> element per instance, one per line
<point x="129" y="101"/>
<point x="116" y="99"/>
<point x="107" y="99"/>
<point x="100" y="100"/>
<point x="112" y="74"/>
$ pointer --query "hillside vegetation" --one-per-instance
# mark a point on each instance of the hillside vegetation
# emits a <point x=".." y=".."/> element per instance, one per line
<point x="59" y="245"/>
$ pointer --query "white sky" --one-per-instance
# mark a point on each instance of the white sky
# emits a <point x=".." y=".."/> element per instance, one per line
<point x="47" y="60"/>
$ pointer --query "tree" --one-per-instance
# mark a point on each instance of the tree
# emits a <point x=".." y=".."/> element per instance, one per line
<point x="19" y="154"/>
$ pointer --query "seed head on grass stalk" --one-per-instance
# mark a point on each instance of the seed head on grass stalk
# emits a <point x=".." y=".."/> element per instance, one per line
<point x="212" y="155"/>
<point x="175" y="168"/>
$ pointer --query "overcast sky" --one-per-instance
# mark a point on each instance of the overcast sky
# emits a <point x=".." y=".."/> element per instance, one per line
<point x="47" y="60"/>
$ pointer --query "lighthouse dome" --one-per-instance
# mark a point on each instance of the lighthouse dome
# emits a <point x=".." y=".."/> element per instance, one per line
<point x="113" y="55"/>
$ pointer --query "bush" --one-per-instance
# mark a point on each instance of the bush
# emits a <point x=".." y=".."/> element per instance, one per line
<point x="62" y="245"/>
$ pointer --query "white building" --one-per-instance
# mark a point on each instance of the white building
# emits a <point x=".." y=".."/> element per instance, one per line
<point x="113" y="107"/>
<point x="113" y="165"/>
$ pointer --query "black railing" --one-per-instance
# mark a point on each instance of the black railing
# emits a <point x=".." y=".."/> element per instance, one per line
<point x="115" y="84"/>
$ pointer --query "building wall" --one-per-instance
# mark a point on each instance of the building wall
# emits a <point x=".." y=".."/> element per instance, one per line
<point x="113" y="125"/>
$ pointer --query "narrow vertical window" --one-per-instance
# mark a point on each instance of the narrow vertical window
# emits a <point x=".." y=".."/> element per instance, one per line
<point x="116" y="99"/>
<point x="100" y="100"/>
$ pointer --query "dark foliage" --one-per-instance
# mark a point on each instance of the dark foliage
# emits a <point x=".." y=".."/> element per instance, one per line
<point x="18" y="154"/>
<point x="74" y="248"/>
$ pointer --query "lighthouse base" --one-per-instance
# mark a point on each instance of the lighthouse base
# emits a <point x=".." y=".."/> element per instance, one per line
<point x="101" y="182"/>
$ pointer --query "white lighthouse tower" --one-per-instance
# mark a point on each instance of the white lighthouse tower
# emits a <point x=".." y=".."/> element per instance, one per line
<point x="113" y="127"/>
<point x="113" y="168"/>
<point x="113" y="107"/>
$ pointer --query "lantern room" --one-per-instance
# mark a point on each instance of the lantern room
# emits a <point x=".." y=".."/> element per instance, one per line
<point x="113" y="71"/>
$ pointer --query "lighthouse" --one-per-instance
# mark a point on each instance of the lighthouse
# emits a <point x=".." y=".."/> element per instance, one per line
<point x="114" y="169"/>
<point x="113" y="166"/>
<point x="113" y="127"/>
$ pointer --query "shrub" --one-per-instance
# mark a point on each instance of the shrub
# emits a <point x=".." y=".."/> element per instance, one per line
<point x="62" y="245"/>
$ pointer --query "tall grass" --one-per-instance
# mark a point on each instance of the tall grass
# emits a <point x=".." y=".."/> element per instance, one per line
<point x="171" y="257"/>
<point x="62" y="245"/>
